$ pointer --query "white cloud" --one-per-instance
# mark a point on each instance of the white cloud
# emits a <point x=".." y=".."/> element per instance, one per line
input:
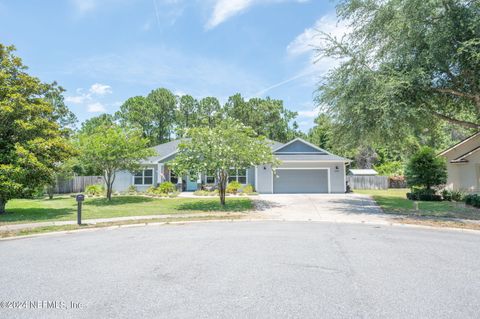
<point x="84" y="6"/>
<point x="96" y="107"/>
<point x="225" y="9"/>
<point x="89" y="99"/>
<point x="79" y="99"/>
<point x="308" y="113"/>
<point x="96" y="89"/>
<point x="311" y="38"/>
<point x="100" y="89"/>
<point x="305" y="43"/>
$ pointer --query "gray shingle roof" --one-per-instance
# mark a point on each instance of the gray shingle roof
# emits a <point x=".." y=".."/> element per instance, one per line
<point x="275" y="144"/>
<point x="169" y="148"/>
<point x="312" y="157"/>
<point x="163" y="150"/>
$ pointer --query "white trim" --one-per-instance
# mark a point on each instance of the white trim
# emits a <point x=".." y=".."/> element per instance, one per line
<point x="458" y="144"/>
<point x="307" y="168"/>
<point x="316" y="161"/>
<point x="256" y="178"/>
<point x="161" y="177"/>
<point x="167" y="156"/>
<point x="305" y="142"/>
<point x="273" y="172"/>
<point x="286" y="153"/>
<point x="143" y="177"/>
<point x="236" y="170"/>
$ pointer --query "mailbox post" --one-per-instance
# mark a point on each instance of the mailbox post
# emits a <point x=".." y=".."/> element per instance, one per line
<point x="80" y="198"/>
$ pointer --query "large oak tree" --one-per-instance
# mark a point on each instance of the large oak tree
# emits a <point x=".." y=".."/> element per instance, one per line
<point x="32" y="140"/>
<point x="405" y="65"/>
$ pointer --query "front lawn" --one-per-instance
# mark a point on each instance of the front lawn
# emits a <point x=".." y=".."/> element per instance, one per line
<point x="394" y="201"/>
<point x="65" y="207"/>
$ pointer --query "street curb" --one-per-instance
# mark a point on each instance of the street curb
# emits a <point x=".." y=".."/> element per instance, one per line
<point x="389" y="224"/>
<point x="64" y="232"/>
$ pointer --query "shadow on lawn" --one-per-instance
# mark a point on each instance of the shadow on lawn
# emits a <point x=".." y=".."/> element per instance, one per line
<point x="119" y="200"/>
<point x="35" y="214"/>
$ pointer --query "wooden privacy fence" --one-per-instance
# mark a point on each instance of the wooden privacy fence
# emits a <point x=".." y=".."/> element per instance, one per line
<point x="77" y="184"/>
<point x="368" y="182"/>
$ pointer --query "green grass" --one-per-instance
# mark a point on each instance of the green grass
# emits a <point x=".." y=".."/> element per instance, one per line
<point x="394" y="201"/>
<point x="65" y="207"/>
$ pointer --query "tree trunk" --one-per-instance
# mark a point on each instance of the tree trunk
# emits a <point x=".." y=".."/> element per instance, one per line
<point x="222" y="185"/>
<point x="50" y="191"/>
<point x="108" y="177"/>
<point x="3" y="203"/>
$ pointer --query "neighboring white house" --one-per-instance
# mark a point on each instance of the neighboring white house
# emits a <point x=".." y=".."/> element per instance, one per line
<point x="362" y="172"/>
<point x="304" y="168"/>
<point x="463" y="165"/>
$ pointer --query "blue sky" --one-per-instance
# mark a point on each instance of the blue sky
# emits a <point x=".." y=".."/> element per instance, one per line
<point x="105" y="51"/>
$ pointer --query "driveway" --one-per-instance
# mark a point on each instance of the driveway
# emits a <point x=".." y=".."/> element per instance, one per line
<point x="263" y="269"/>
<point x="321" y="207"/>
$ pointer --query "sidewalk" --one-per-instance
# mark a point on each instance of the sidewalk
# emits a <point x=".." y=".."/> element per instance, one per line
<point x="108" y="220"/>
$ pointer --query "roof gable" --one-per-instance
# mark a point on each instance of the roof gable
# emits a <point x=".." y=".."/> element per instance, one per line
<point x="300" y="146"/>
<point x="463" y="146"/>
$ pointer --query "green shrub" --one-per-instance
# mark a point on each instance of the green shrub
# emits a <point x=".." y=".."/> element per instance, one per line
<point x="472" y="200"/>
<point x="248" y="189"/>
<point x="425" y="169"/>
<point x="455" y="196"/>
<point x="152" y="190"/>
<point x="40" y="192"/>
<point x="233" y="187"/>
<point x="132" y="189"/>
<point x="424" y="194"/>
<point x="94" y="190"/>
<point x="447" y="195"/>
<point x="163" y="190"/>
<point x="166" y="188"/>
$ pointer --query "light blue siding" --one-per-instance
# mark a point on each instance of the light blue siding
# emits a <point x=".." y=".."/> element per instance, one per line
<point x="299" y="147"/>
<point x="124" y="179"/>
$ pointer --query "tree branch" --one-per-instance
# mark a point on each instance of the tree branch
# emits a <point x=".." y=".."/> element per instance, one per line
<point x="456" y="121"/>
<point x="457" y="93"/>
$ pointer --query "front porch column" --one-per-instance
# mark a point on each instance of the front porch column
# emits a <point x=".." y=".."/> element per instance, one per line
<point x="199" y="181"/>
<point x="161" y="176"/>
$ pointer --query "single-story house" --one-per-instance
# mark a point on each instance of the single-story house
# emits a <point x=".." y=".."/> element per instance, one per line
<point x="304" y="168"/>
<point x="362" y="172"/>
<point x="463" y="165"/>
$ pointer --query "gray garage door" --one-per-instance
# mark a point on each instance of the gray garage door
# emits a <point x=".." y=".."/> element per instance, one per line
<point x="300" y="181"/>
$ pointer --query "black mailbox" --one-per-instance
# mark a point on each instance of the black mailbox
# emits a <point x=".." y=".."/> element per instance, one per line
<point x="80" y="198"/>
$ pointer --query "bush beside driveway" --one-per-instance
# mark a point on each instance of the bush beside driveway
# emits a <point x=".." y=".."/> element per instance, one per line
<point x="394" y="201"/>
<point x="433" y="214"/>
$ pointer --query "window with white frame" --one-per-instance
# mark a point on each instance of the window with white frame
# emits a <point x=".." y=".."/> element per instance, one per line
<point x="239" y="175"/>
<point x="210" y="178"/>
<point x="143" y="177"/>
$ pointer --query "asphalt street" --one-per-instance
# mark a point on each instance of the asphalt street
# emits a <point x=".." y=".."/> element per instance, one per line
<point x="265" y="269"/>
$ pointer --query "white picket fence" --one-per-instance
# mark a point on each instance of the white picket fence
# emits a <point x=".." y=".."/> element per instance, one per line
<point x="368" y="182"/>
